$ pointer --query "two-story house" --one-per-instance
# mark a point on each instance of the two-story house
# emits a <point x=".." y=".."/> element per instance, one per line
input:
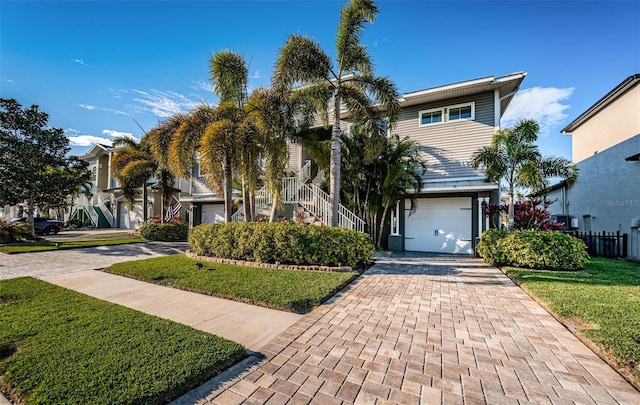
<point x="450" y="122"/>
<point x="103" y="206"/>
<point x="605" y="142"/>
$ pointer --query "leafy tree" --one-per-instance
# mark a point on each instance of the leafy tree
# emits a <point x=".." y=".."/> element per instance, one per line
<point x="349" y="82"/>
<point x="133" y="164"/>
<point x="34" y="166"/>
<point x="514" y="157"/>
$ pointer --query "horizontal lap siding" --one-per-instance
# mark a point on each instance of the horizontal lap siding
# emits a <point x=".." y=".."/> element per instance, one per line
<point x="448" y="147"/>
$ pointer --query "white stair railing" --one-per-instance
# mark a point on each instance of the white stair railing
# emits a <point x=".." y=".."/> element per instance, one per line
<point x="93" y="214"/>
<point x="295" y="190"/>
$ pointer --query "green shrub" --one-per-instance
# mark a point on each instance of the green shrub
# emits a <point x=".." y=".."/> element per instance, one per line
<point x="11" y="232"/>
<point x="545" y="250"/>
<point x="489" y="249"/>
<point x="282" y="242"/>
<point x="164" y="232"/>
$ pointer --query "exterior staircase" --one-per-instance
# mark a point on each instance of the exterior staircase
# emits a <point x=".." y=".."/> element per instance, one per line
<point x="306" y="193"/>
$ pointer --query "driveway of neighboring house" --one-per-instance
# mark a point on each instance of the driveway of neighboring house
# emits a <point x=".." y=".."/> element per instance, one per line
<point x="53" y="262"/>
<point x="428" y="329"/>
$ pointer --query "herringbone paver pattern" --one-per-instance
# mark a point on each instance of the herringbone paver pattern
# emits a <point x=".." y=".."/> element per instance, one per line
<point x="432" y="330"/>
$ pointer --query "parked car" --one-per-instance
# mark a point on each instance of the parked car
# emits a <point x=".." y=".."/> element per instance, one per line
<point x="43" y="226"/>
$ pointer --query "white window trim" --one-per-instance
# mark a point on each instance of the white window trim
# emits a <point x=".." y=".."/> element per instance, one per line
<point x="200" y="174"/>
<point x="473" y="111"/>
<point x="445" y="114"/>
<point x="441" y="109"/>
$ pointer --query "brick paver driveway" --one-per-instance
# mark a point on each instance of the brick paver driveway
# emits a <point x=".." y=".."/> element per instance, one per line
<point x="425" y="329"/>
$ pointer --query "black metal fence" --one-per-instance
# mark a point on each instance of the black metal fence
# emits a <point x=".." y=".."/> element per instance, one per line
<point x="604" y="244"/>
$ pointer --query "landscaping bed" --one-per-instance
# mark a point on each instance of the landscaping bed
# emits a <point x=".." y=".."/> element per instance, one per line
<point x="600" y="304"/>
<point x="60" y="346"/>
<point x="59" y="243"/>
<point x="296" y="291"/>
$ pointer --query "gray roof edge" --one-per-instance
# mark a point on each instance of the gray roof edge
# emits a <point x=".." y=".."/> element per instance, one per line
<point x="608" y="98"/>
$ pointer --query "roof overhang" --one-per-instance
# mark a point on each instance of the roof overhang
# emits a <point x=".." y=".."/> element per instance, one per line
<point x="610" y="97"/>
<point x="633" y="158"/>
<point x="506" y="85"/>
<point x="95" y="151"/>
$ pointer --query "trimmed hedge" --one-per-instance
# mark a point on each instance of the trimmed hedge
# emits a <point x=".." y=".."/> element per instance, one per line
<point x="543" y="250"/>
<point x="164" y="232"/>
<point x="283" y="242"/>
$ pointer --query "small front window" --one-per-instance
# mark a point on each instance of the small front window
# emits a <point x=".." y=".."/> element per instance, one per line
<point x="430" y="117"/>
<point x="461" y="112"/>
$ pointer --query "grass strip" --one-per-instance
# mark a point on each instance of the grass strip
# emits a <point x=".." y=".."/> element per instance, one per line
<point x="58" y="346"/>
<point x="296" y="291"/>
<point x="600" y="303"/>
<point x="68" y="243"/>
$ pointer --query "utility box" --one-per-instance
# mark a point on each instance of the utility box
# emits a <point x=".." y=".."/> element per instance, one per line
<point x="395" y="243"/>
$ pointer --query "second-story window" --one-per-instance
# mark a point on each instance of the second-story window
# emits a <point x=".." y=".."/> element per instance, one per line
<point x="430" y="117"/>
<point x="461" y="112"/>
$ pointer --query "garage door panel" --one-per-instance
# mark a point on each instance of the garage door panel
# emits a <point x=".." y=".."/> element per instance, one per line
<point x="439" y="225"/>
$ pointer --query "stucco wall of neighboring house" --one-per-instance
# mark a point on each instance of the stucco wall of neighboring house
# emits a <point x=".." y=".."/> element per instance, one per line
<point x="606" y="196"/>
<point x="448" y="146"/>
<point x="618" y="121"/>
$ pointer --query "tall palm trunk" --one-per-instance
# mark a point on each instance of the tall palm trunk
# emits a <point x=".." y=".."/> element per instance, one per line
<point x="145" y="202"/>
<point x="334" y="177"/>
<point x="228" y="189"/>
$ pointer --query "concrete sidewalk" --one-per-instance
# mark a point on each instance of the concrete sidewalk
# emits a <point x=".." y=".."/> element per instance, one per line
<point x="249" y="325"/>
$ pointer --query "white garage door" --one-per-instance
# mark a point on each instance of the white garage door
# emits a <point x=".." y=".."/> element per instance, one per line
<point x="130" y="219"/>
<point x="441" y="225"/>
<point x="212" y="213"/>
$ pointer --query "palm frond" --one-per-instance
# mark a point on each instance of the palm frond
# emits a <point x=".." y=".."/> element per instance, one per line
<point x="229" y="76"/>
<point x="353" y="17"/>
<point x="301" y="60"/>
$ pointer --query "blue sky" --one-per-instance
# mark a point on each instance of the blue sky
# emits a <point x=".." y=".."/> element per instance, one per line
<point x="98" y="67"/>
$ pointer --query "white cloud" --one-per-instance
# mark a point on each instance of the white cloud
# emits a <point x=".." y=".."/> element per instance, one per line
<point x="256" y="75"/>
<point x="87" y="140"/>
<point x="95" y="108"/>
<point x="542" y="104"/>
<point x="202" y="85"/>
<point x="113" y="134"/>
<point x="80" y="61"/>
<point x="10" y="81"/>
<point x="163" y="104"/>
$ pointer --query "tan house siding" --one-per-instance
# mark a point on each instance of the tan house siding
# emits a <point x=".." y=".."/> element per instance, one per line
<point x="617" y="122"/>
<point x="448" y="146"/>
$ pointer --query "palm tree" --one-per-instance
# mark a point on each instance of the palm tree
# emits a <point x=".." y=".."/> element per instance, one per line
<point x="373" y="187"/>
<point x="400" y="168"/>
<point x="133" y="164"/>
<point x="221" y="136"/>
<point x="349" y="82"/>
<point x="514" y="157"/>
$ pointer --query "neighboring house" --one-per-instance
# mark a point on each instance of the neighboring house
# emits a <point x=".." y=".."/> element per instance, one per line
<point x="104" y="206"/>
<point x="606" y="148"/>
<point x="450" y="123"/>
<point x="202" y="204"/>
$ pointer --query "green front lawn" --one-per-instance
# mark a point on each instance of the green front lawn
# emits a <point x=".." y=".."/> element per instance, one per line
<point x="290" y="290"/>
<point x="61" y="347"/>
<point x="601" y="303"/>
<point x="104" y="239"/>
